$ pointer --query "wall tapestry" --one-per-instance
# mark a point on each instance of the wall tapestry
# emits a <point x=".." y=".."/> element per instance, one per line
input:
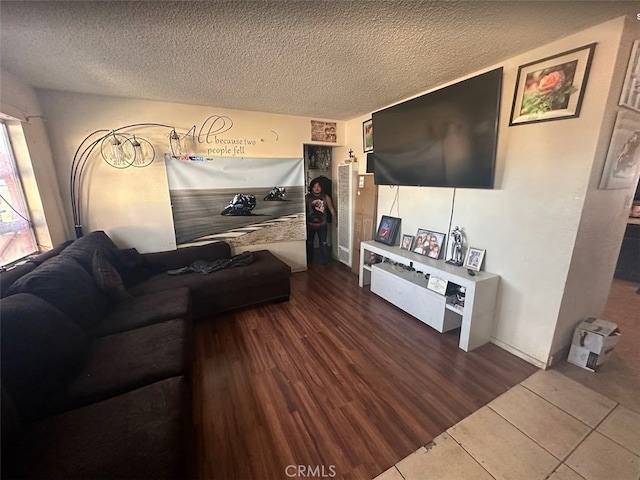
<point x="243" y="201"/>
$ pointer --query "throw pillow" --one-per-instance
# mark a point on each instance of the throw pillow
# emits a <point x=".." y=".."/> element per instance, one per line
<point x="108" y="278"/>
<point x="130" y="264"/>
<point x="82" y="249"/>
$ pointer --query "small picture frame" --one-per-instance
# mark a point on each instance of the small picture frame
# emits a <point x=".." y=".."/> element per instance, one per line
<point x="551" y="88"/>
<point x="367" y="136"/>
<point x="407" y="242"/>
<point x="473" y="259"/>
<point x="434" y="243"/>
<point x="437" y="284"/>
<point x="388" y="230"/>
<point x="419" y="243"/>
<point x="324" y="131"/>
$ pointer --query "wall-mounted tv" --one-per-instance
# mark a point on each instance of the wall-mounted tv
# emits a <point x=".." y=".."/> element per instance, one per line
<point x="445" y="138"/>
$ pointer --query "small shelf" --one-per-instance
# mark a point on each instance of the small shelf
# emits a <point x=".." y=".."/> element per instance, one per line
<point x="409" y="276"/>
<point x="367" y="267"/>
<point x="455" y="308"/>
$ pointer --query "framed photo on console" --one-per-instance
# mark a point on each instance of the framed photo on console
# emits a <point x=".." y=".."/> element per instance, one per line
<point x="434" y="243"/>
<point x="388" y="230"/>
<point x="473" y="259"/>
<point x="407" y="242"/>
<point x="419" y="244"/>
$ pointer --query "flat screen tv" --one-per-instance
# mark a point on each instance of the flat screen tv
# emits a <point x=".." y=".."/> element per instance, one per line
<point x="445" y="138"/>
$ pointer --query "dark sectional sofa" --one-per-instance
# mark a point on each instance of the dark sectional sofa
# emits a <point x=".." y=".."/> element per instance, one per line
<point x="97" y="347"/>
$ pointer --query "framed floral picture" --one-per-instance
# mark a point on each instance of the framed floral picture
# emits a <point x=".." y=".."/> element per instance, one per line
<point x="367" y="136"/>
<point x="551" y="88"/>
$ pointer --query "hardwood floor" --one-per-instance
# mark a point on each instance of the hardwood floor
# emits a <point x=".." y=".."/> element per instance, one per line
<point x="336" y="380"/>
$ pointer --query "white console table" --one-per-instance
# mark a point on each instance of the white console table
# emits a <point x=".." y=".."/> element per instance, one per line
<point x="408" y="291"/>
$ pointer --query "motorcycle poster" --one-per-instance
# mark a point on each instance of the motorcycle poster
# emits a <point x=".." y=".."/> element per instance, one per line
<point x="243" y="201"/>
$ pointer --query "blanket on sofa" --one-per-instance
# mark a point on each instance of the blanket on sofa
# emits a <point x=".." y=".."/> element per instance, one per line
<point x="205" y="267"/>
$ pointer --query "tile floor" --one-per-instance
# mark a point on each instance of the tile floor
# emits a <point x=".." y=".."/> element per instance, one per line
<point x="548" y="426"/>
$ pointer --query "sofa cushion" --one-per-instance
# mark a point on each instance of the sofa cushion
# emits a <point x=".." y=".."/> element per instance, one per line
<point x="143" y="434"/>
<point x="125" y="361"/>
<point x="161" y="262"/>
<point x="9" y="420"/>
<point x="62" y="282"/>
<point x="9" y="277"/>
<point x="108" y="279"/>
<point x="42" y="349"/>
<point x="265" y="268"/>
<point x="130" y="264"/>
<point x="83" y="248"/>
<point x="136" y="312"/>
<point x="43" y="257"/>
<point x="266" y="279"/>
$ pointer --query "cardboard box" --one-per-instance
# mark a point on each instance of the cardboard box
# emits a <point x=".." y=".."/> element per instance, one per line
<point x="365" y="216"/>
<point x="593" y="341"/>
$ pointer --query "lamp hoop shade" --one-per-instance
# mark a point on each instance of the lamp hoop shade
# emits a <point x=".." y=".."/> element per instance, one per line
<point x="117" y="151"/>
<point x="143" y="152"/>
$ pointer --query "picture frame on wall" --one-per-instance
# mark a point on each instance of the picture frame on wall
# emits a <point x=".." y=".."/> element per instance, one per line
<point x="623" y="156"/>
<point x="367" y="136"/>
<point x="388" y="230"/>
<point x="324" y="131"/>
<point x="630" y="96"/>
<point x="473" y="259"/>
<point x="407" y="242"/>
<point x="552" y="88"/>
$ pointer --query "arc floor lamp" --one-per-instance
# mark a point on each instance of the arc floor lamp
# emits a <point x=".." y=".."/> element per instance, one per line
<point x="119" y="148"/>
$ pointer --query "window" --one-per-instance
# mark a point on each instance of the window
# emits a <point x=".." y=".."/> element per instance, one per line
<point x="17" y="239"/>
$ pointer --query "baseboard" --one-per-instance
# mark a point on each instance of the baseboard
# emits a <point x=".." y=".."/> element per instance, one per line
<point x="559" y="355"/>
<point x="518" y="353"/>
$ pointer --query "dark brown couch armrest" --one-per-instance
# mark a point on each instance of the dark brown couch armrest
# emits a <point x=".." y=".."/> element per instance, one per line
<point x="160" y="262"/>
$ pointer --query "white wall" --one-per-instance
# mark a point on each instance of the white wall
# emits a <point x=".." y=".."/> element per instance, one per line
<point x="35" y="163"/>
<point x="529" y="222"/>
<point x="133" y="205"/>
<point x="603" y="220"/>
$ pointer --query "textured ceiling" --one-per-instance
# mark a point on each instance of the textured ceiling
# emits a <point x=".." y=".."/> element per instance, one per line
<point x="325" y="59"/>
